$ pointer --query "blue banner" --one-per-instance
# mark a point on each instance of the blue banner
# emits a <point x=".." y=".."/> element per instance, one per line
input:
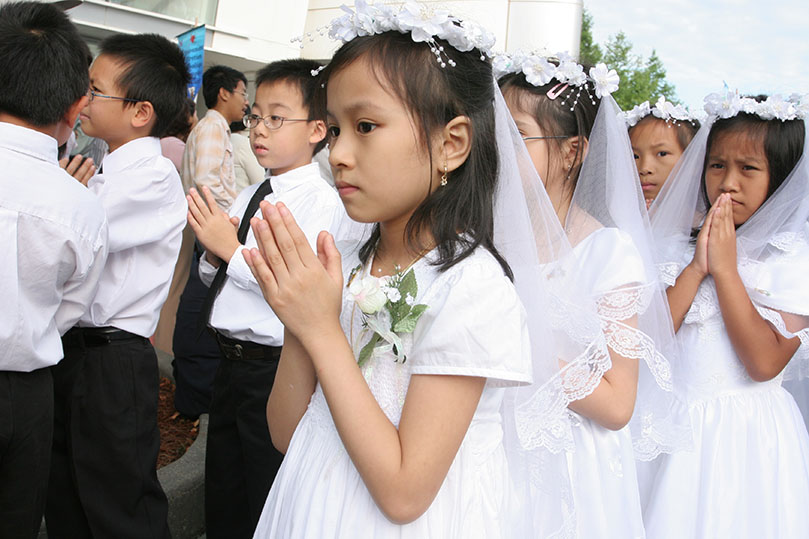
<point x="192" y="43"/>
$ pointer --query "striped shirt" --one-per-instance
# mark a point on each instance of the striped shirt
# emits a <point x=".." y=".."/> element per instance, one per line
<point x="208" y="159"/>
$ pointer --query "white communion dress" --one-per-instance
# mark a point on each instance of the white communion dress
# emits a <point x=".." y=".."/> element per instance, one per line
<point x="474" y="326"/>
<point x="748" y="474"/>
<point x="602" y="462"/>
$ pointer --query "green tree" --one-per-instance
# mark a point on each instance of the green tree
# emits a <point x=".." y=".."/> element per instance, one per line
<point x="589" y="51"/>
<point x="641" y="79"/>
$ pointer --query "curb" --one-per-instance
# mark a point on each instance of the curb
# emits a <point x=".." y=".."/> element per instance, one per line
<point x="183" y="482"/>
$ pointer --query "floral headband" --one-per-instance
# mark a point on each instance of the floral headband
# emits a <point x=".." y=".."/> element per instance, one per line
<point x="665" y="110"/>
<point x="424" y="24"/>
<point x="775" y="107"/>
<point x="539" y="71"/>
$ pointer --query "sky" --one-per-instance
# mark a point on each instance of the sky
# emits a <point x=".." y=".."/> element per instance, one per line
<point x="753" y="46"/>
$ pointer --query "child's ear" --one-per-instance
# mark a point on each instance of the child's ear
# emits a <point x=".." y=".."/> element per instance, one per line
<point x="318" y="132"/>
<point x="143" y="114"/>
<point x="456" y="143"/>
<point x="574" y="149"/>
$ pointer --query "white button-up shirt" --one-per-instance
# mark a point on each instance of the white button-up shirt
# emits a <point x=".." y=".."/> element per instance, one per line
<point x="54" y="245"/>
<point x="240" y="311"/>
<point x="146" y="210"/>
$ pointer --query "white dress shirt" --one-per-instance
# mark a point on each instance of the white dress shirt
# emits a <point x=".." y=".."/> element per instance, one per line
<point x="146" y="210"/>
<point x="54" y="247"/>
<point x="240" y="311"/>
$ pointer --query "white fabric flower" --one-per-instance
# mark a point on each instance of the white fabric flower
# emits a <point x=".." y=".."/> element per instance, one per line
<point x="571" y="73"/>
<point x="538" y="71"/>
<point x="422" y="26"/>
<point x="368" y="294"/>
<point x="779" y="108"/>
<point x="723" y="105"/>
<point x="605" y="80"/>
<point x="502" y="65"/>
<point x="638" y="112"/>
<point x="342" y="28"/>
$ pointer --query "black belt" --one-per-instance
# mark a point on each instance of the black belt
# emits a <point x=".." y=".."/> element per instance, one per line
<point x="236" y="350"/>
<point x="98" y="336"/>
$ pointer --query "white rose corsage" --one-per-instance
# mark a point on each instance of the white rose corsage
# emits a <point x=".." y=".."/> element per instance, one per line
<point x="388" y="309"/>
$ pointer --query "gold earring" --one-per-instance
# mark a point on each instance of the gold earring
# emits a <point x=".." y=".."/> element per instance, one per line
<point x="444" y="176"/>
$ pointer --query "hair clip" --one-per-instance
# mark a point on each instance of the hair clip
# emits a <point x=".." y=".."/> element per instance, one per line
<point x="554" y="92"/>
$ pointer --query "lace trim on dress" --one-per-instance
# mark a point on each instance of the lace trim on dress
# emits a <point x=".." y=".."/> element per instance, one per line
<point x="625" y="302"/>
<point x="661" y="433"/>
<point x="668" y="272"/>
<point x="798" y="366"/>
<point x="632" y="343"/>
<point x="542" y="420"/>
<point x="788" y="242"/>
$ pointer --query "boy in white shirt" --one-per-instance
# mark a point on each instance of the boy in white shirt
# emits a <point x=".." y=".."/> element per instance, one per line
<point x="286" y="131"/>
<point x="53" y="244"/>
<point x="103" y="475"/>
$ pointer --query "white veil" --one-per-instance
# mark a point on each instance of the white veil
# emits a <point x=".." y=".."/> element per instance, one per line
<point x="607" y="192"/>
<point x="772" y="245"/>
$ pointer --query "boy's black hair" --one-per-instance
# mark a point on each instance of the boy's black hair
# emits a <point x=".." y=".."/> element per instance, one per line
<point x="554" y="116"/>
<point x="684" y="129"/>
<point x="43" y="62"/>
<point x="217" y="77"/>
<point x="460" y="215"/>
<point x="181" y="126"/>
<point x="154" y="70"/>
<point x="782" y="141"/>
<point x="297" y="71"/>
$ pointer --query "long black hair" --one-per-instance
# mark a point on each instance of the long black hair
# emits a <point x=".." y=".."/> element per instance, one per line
<point x="459" y="215"/>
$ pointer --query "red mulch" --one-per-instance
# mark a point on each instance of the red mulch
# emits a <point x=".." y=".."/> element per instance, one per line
<point x="176" y="433"/>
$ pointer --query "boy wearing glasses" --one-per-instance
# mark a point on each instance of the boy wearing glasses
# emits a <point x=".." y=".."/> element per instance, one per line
<point x="53" y="243"/>
<point x="285" y="131"/>
<point x="103" y="479"/>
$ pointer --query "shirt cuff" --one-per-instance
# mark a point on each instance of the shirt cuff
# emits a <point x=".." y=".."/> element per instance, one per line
<point x="239" y="271"/>
<point x="206" y="270"/>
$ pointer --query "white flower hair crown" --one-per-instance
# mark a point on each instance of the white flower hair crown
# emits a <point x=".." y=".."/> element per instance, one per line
<point x="424" y="24"/>
<point x="775" y="107"/>
<point x="663" y="109"/>
<point x="539" y="71"/>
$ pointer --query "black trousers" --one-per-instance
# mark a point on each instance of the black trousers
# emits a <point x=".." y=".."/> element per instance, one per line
<point x="240" y="462"/>
<point x="196" y="354"/>
<point x="103" y="480"/>
<point x="26" y="426"/>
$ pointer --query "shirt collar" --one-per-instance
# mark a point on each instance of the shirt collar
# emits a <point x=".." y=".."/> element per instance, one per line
<point x="130" y="152"/>
<point x="294" y="178"/>
<point x="29" y="142"/>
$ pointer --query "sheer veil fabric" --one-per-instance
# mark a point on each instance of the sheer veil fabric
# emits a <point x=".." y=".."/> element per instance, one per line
<point x="571" y="332"/>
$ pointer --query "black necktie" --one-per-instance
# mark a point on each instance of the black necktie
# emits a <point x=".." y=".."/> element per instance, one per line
<point x="244" y="226"/>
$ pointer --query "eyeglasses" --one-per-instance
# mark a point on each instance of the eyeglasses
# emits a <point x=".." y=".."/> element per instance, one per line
<point x="270" y="122"/>
<point x="540" y="138"/>
<point x="243" y="94"/>
<point x="92" y="94"/>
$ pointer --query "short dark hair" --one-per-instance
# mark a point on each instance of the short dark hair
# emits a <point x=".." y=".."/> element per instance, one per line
<point x="460" y="215"/>
<point x="563" y="116"/>
<point x="217" y="77"/>
<point x="43" y="61"/>
<point x="299" y="72"/>
<point x="181" y="126"/>
<point x="154" y="71"/>
<point x="684" y="129"/>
